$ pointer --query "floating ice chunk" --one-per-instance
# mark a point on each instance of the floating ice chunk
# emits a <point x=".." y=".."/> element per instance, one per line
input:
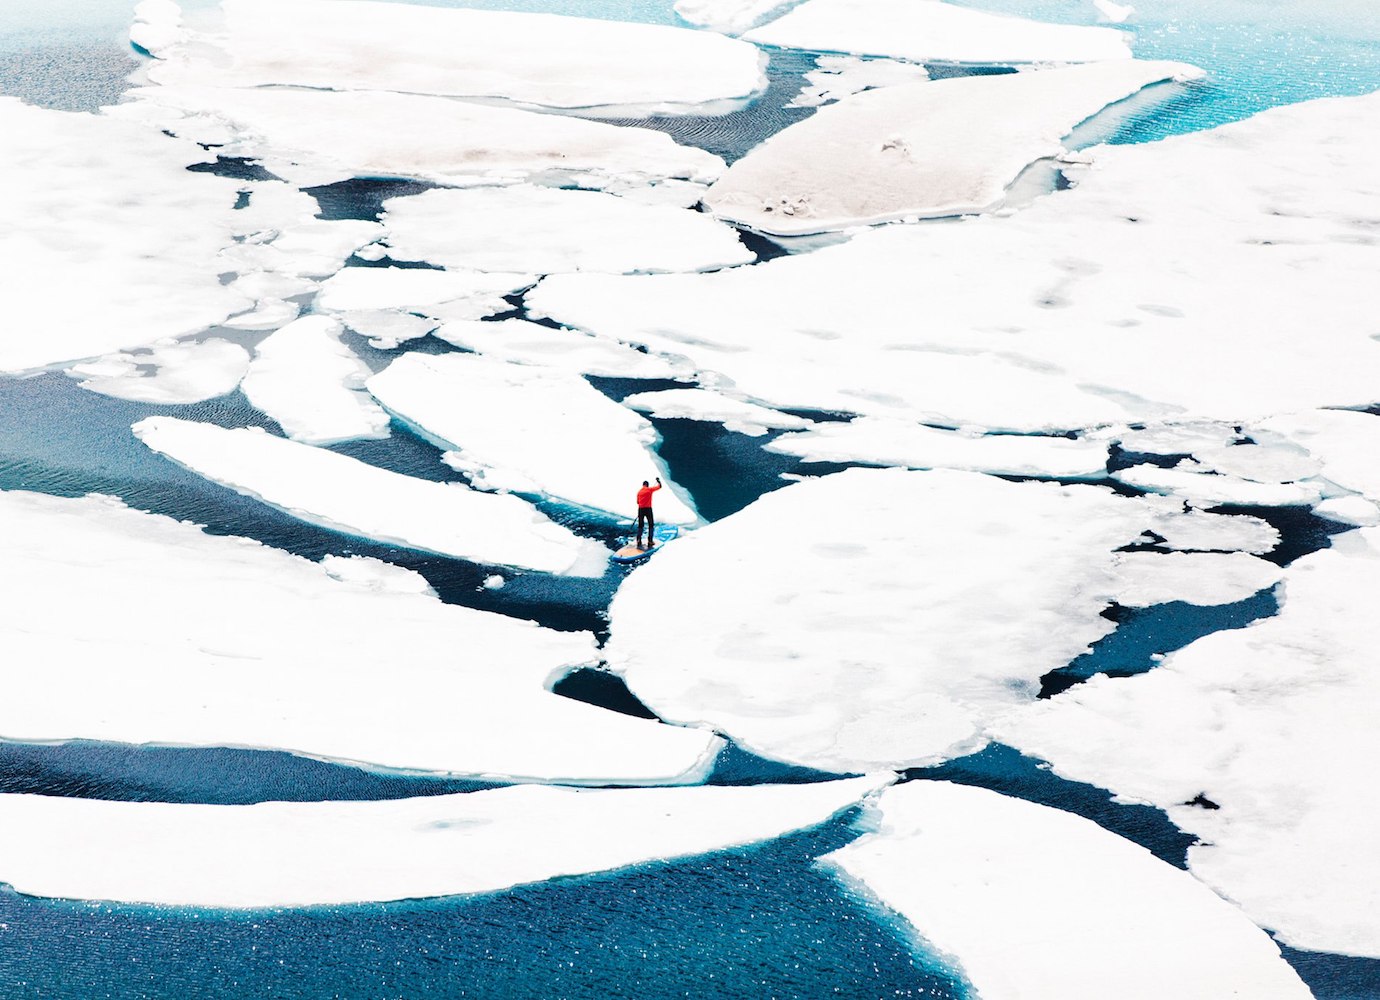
<point x="417" y="289"/>
<point x="906" y="608"/>
<point x="1113" y="13"/>
<point x="345" y="494"/>
<point x="1176" y="438"/>
<point x="878" y="441"/>
<point x="1260" y="741"/>
<point x="1037" y="904"/>
<point x="109" y="242"/>
<point x="232" y="643"/>
<point x="157" y="25"/>
<point x="1207" y="578"/>
<point x="1343" y="441"/>
<point x="545" y="230"/>
<point x="183" y="372"/>
<point x="387" y="329"/>
<point x="406" y="135"/>
<point x="704" y="404"/>
<point x="529" y="429"/>
<point x="729" y="16"/>
<point x="1260" y="463"/>
<point x="315" y="248"/>
<point x="950" y="147"/>
<point x="1194" y="484"/>
<point x="839" y="76"/>
<point x="313" y="385"/>
<point x="375" y="574"/>
<point x="932" y="31"/>
<point x="302" y="853"/>
<point x="273" y="285"/>
<point x="1108" y="295"/>
<point x="1197" y="530"/>
<point x="269" y="314"/>
<point x="1349" y="510"/>
<point x="528" y="343"/>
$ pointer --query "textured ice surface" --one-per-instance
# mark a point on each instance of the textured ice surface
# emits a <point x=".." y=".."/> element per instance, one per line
<point x="704" y="404"/>
<point x="838" y="76"/>
<point x="1199" y="531"/>
<point x="879" y="441"/>
<point x="1159" y="286"/>
<point x="1343" y="442"/>
<point x="1201" y="487"/>
<point x="875" y="617"/>
<point x="229" y="643"/>
<point x="1193" y="577"/>
<point x="730" y="16"/>
<point x="537" y="59"/>
<point x="529" y="429"/>
<point x="313" y="385"/>
<point x="947" y="147"/>
<point x="528" y="343"/>
<point x="181" y="372"/>
<point x="933" y="31"/>
<point x="1036" y="904"/>
<point x="544" y="230"/>
<point x="315" y="248"/>
<point x="419" y="289"/>
<point x="348" y="495"/>
<point x="385" y="328"/>
<point x="302" y="853"/>
<point x="1273" y="727"/>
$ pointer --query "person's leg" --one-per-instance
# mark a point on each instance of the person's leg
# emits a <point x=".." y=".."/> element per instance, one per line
<point x="651" y="528"/>
<point x="641" y="519"/>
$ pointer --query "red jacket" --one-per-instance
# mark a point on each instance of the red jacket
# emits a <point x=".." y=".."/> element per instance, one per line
<point x="644" y="495"/>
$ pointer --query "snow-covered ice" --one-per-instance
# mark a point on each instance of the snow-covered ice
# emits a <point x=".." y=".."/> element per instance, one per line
<point x="1344" y="442"/>
<point x="729" y="16"/>
<point x="1353" y="510"/>
<point x="836" y="77"/>
<point x="301" y="853"/>
<point x="185" y="638"/>
<point x="386" y="328"/>
<point x="705" y="404"/>
<point x="544" y="230"/>
<point x="313" y="385"/>
<point x="934" y="31"/>
<point x="419" y="289"/>
<point x="536" y="59"/>
<point x="1113" y="13"/>
<point x="1113" y="302"/>
<point x="182" y="371"/>
<point x="529" y="429"/>
<point x="879" y="441"/>
<point x="1206" y="578"/>
<point x="529" y="343"/>
<point x="947" y="147"/>
<point x="1037" y="904"/>
<point x="1199" y="486"/>
<point x="1273" y="725"/>
<point x="1196" y="530"/>
<point x="315" y="248"/>
<point x="875" y="618"/>
<point x="345" y="494"/>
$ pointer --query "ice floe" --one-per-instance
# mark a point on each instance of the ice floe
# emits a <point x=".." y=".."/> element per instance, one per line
<point x="1195" y="530"/>
<point x="948" y="147"/>
<point x="1205" y="578"/>
<point x="729" y="16"/>
<point x="181" y="371"/>
<point x="1037" y="904"/>
<point x="529" y="429"/>
<point x="348" y="495"/>
<point x="386" y="328"/>
<point x="839" y="76"/>
<point x="1199" y="486"/>
<point x="933" y="31"/>
<point x="1114" y="297"/>
<point x="545" y="230"/>
<point x="1260" y="741"/>
<point x="419" y="289"/>
<point x="529" y="343"/>
<point x="315" y="248"/>
<point x="313" y="385"/>
<point x="1343" y="443"/>
<point x="230" y="643"/>
<point x="876" y="617"/>
<point x="1352" y="510"/>
<point x="536" y="59"/>
<point x="878" y="441"/>
<point x="704" y="404"/>
<point x="301" y="853"/>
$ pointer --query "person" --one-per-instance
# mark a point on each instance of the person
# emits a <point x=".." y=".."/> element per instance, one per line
<point x="644" y="513"/>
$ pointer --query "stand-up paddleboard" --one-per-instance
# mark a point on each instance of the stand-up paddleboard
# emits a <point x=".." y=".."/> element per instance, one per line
<point x="630" y="553"/>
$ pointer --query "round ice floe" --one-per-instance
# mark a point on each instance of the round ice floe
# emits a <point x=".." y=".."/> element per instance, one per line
<point x="182" y="372"/>
<point x="528" y="343"/>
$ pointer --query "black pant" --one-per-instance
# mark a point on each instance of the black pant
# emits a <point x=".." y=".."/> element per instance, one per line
<point x="645" y="514"/>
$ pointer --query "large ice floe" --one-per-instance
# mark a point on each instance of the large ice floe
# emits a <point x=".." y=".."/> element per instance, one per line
<point x="547" y="230"/>
<point x="1123" y="295"/>
<point x="1343" y="443"/>
<point x="348" y="495"/>
<point x="947" y="147"/>
<point x="1261" y="742"/>
<point x="182" y="371"/>
<point x="880" y="618"/>
<point x="729" y="16"/>
<point x="1036" y="904"/>
<point x="704" y="404"/>
<point x="529" y="343"/>
<point x="536" y="59"/>
<point x="529" y="429"/>
<point x="302" y="853"/>
<point x="836" y="77"/>
<point x="184" y="638"/>
<point x="933" y="31"/>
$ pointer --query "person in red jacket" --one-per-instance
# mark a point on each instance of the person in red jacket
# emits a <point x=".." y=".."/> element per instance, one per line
<point x="644" y="513"/>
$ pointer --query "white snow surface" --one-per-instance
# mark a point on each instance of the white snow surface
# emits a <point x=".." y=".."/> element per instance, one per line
<point x="880" y="441"/>
<point x="1206" y="578"/>
<point x="1037" y="904"/>
<point x="729" y="16"/>
<point x="536" y="59"/>
<point x="545" y="230"/>
<point x="182" y="372"/>
<point x="1274" y="725"/>
<point x="232" y="643"/>
<point x="528" y="343"/>
<point x="1197" y="530"/>
<point x="705" y="404"/>
<point x="836" y="77"/>
<point x="874" y="618"/>
<point x="313" y="385"/>
<point x="933" y="31"/>
<point x="1195" y="484"/>
<point x="1344" y="442"/>
<point x="348" y="495"/>
<point x="418" y="289"/>
<point x="947" y="147"/>
<point x="387" y="328"/>
<point x="1352" y="510"/>
<point x="303" y="853"/>
<point x="1108" y="303"/>
<point x="530" y="429"/>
